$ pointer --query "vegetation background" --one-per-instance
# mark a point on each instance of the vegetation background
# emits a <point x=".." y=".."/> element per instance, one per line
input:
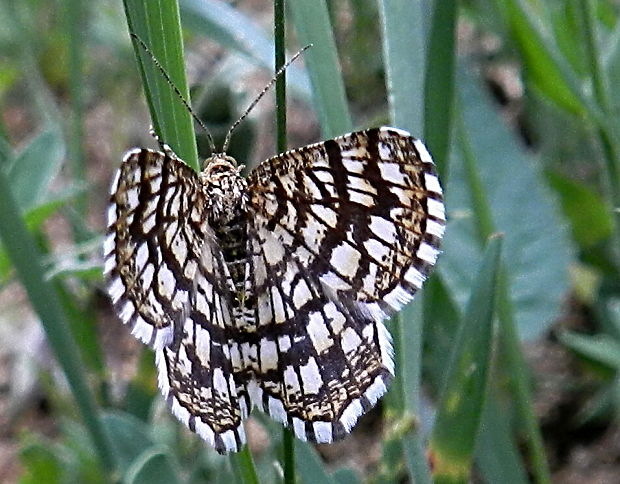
<point x="507" y="363"/>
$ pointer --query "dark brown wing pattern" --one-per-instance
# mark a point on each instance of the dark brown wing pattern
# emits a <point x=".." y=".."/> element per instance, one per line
<point x="169" y="283"/>
<point x="342" y="234"/>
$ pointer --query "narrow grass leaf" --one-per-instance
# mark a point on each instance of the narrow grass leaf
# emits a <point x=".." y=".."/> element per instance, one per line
<point x="312" y="23"/>
<point x="233" y="29"/>
<point x="442" y="319"/>
<point x="75" y="19"/>
<point x="310" y="468"/>
<point x="243" y="465"/>
<point x="439" y="83"/>
<point x="545" y="65"/>
<point x="515" y="202"/>
<point x="404" y="58"/>
<point x="27" y="261"/>
<point x="157" y="23"/>
<point x="345" y="476"/>
<point x="460" y="409"/>
<point x="279" y="34"/>
<point x="601" y="348"/>
<point x="497" y="454"/>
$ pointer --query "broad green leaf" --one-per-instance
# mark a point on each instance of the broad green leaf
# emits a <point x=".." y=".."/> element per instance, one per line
<point x="42" y="462"/>
<point x="346" y="476"/>
<point x="519" y="205"/>
<point x="130" y="438"/>
<point x="80" y="453"/>
<point x="462" y="400"/>
<point x="34" y="168"/>
<point x="153" y="466"/>
<point x="7" y="157"/>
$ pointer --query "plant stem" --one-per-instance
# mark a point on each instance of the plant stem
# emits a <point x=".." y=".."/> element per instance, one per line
<point x="288" y="444"/>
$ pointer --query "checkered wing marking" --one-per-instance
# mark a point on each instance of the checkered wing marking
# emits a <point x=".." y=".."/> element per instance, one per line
<point x="195" y="370"/>
<point x="149" y="260"/>
<point x="342" y="234"/>
<point x="168" y="281"/>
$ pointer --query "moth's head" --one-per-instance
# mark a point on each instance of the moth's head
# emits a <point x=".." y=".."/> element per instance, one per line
<point x="219" y="165"/>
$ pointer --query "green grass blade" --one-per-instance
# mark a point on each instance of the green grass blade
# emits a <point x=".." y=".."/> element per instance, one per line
<point x="547" y="67"/>
<point x="27" y="261"/>
<point x="439" y="84"/>
<point x="609" y="129"/>
<point x="404" y="52"/>
<point x="404" y="58"/>
<point x="75" y="17"/>
<point x="519" y="384"/>
<point x="590" y="220"/>
<point x="309" y="465"/>
<point x="311" y="20"/>
<point x="18" y="17"/>
<point x="500" y="202"/>
<point x="600" y="348"/>
<point x="594" y="55"/>
<point x="244" y="466"/>
<point x="497" y="454"/>
<point x="462" y="400"/>
<point x="157" y="23"/>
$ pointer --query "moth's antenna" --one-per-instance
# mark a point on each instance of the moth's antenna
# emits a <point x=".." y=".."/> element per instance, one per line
<point x="260" y="95"/>
<point x="175" y="89"/>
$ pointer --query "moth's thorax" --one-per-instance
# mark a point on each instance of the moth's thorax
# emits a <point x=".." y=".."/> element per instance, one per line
<point x="224" y="187"/>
